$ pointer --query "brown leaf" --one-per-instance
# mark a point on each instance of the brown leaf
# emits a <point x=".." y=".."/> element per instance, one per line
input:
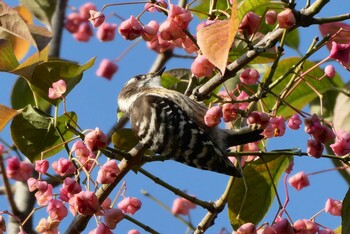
<point x="215" y="39"/>
<point x="12" y="22"/>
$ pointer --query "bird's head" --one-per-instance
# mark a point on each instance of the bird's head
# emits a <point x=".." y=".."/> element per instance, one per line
<point x="136" y="86"/>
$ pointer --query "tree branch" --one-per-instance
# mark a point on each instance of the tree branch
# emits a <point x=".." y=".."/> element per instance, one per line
<point x="80" y="222"/>
<point x="304" y="18"/>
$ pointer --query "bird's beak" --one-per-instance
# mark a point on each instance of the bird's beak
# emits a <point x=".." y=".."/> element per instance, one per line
<point x="159" y="73"/>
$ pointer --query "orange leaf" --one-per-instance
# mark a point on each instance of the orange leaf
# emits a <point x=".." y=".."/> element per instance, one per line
<point x="215" y="40"/>
<point x="6" y="114"/>
<point x="19" y="45"/>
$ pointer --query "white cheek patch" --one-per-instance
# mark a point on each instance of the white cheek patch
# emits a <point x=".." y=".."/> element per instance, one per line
<point x="154" y="82"/>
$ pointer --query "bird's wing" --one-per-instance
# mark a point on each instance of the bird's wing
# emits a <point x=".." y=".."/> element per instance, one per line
<point x="165" y="128"/>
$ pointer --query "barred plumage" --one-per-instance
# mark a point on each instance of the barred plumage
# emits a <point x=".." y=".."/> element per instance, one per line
<point x="172" y="125"/>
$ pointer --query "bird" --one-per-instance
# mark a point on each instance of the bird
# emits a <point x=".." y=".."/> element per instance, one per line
<point x="172" y="125"/>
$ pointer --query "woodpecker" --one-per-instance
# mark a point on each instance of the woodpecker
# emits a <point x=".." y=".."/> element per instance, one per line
<point x="172" y="125"/>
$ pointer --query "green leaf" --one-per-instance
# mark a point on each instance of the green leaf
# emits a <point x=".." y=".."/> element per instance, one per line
<point x="53" y="71"/>
<point x="345" y="214"/>
<point x="292" y="39"/>
<point x="260" y="192"/>
<point x="22" y="95"/>
<point x="8" y="59"/>
<point x="168" y="80"/>
<point x="259" y="7"/>
<point x="303" y="94"/>
<point x="34" y="133"/>
<point x="43" y="10"/>
<point x="239" y="47"/>
<point x="203" y="6"/>
<point x="341" y="118"/>
<point x="125" y="139"/>
<point x="176" y="79"/>
<point x="330" y="103"/>
<point x="6" y="114"/>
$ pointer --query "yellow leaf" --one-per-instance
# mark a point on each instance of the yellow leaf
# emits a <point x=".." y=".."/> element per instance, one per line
<point x="215" y="39"/>
<point x="6" y="114"/>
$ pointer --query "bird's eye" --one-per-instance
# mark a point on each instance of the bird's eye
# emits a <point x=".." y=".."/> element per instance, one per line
<point x="139" y="77"/>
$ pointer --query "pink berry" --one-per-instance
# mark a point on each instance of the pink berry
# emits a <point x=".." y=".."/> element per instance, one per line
<point x="329" y="71"/>
<point x="159" y="45"/>
<point x="283" y="226"/>
<point x="188" y="45"/>
<point x="133" y="231"/>
<point x="85" y="10"/>
<point x="340" y="52"/>
<point x="108" y="172"/>
<point x="271" y="17"/>
<point x="131" y="28"/>
<point x="182" y="206"/>
<point x="42" y="166"/>
<point x="260" y="118"/>
<point x="324" y="134"/>
<point x="249" y="76"/>
<point x="84" y="203"/>
<point x="96" y="18"/>
<point x="247" y="228"/>
<point x="312" y="124"/>
<point x="314" y="148"/>
<point x="242" y="96"/>
<point x="107" y="69"/>
<point x="229" y="112"/>
<point x="266" y="230"/>
<point x="84" y="33"/>
<point x="101" y="229"/>
<point x="299" y="181"/>
<point x="286" y="19"/>
<point x="130" y="205"/>
<point x="112" y="217"/>
<point x="18" y="170"/>
<point x="56" y="209"/>
<point x="150" y="30"/>
<point x="151" y="8"/>
<point x="46" y="226"/>
<point x="179" y="16"/>
<point x="106" y="32"/>
<point x="72" y="22"/>
<point x="44" y="193"/>
<point x="305" y="226"/>
<point x="250" y="23"/>
<point x="69" y="188"/>
<point x="342" y="144"/>
<point x="294" y="122"/>
<point x="334" y="207"/>
<point x="278" y="125"/>
<point x="95" y="140"/>
<point x="58" y="89"/>
<point x="202" y="67"/>
<point x="213" y="116"/>
<point x="63" y="167"/>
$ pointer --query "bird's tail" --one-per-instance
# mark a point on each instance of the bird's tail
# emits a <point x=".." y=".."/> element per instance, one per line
<point x="244" y="135"/>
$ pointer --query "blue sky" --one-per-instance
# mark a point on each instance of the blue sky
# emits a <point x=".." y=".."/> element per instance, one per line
<point x="95" y="102"/>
